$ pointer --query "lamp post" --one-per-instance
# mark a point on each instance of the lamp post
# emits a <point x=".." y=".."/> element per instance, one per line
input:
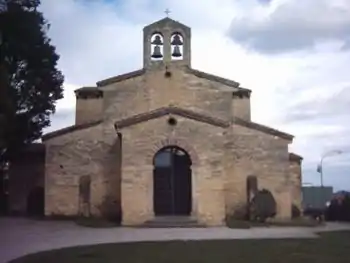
<point x="320" y="165"/>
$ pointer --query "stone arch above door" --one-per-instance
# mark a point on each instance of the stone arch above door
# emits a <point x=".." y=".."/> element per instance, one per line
<point x="173" y="142"/>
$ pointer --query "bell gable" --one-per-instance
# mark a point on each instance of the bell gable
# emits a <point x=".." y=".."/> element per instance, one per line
<point x="166" y="42"/>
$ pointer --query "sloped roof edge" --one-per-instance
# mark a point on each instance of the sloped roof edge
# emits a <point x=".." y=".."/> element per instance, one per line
<point x="195" y="72"/>
<point x="165" y="20"/>
<point x="121" y="77"/>
<point x="69" y="129"/>
<point x="142" y="117"/>
<point x="295" y="157"/>
<point x="202" y="74"/>
<point x="262" y="128"/>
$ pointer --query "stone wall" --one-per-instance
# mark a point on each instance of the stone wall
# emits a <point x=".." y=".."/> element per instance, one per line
<point x="296" y="182"/>
<point x="88" y="110"/>
<point x="26" y="172"/>
<point x="205" y="145"/>
<point x="82" y="153"/>
<point x="125" y="98"/>
<point x="264" y="156"/>
<point x="241" y="108"/>
<point x="182" y="89"/>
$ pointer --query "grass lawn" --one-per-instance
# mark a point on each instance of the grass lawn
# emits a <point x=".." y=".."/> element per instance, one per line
<point x="330" y="248"/>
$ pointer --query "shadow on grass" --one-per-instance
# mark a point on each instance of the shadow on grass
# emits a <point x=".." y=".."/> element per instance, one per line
<point x="92" y="222"/>
<point x="330" y="247"/>
<point x="302" y="222"/>
<point x="96" y="222"/>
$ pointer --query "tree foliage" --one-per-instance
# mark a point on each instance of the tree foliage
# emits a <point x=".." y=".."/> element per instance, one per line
<point x="30" y="82"/>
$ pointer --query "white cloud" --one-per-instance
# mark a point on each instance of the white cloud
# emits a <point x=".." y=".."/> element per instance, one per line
<point x="98" y="39"/>
<point x="292" y="25"/>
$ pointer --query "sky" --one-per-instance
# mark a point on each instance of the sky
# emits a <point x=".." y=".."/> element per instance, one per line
<point x="293" y="54"/>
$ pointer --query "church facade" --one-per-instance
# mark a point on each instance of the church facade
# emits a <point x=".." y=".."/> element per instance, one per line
<point x="166" y="140"/>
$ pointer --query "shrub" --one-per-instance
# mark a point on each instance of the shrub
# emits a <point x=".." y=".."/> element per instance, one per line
<point x="296" y="213"/>
<point x="232" y="222"/>
<point x="240" y="212"/>
<point x="263" y="206"/>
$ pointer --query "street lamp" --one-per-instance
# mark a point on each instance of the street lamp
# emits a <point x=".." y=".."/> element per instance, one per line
<point x="320" y="165"/>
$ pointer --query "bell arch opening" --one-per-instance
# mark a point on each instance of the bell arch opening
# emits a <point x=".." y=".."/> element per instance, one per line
<point x="157" y="46"/>
<point x="172" y="182"/>
<point x="177" y="46"/>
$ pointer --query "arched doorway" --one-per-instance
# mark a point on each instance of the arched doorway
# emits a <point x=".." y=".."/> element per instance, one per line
<point x="172" y="182"/>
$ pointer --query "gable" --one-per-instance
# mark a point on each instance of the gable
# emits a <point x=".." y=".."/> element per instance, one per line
<point x="238" y="91"/>
<point x="170" y="110"/>
<point x="129" y="121"/>
<point x="166" y="21"/>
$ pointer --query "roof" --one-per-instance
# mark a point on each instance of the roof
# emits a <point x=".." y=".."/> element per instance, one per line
<point x="201" y="74"/>
<point x="166" y="20"/>
<point x="198" y="117"/>
<point x="88" y="92"/>
<point x="170" y="110"/>
<point x="262" y="128"/>
<point x="295" y="157"/>
<point x="142" y="117"/>
<point x="197" y="73"/>
<point x="121" y="77"/>
<point x="69" y="129"/>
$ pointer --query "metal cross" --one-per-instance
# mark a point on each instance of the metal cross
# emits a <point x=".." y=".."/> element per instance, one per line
<point x="167" y="12"/>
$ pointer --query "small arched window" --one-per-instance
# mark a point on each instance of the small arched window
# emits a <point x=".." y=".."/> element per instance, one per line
<point x="84" y="188"/>
<point x="177" y="46"/>
<point x="157" y="49"/>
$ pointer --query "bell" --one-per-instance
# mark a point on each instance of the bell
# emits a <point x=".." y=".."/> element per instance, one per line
<point x="176" y="52"/>
<point x="157" y="41"/>
<point x="176" y="40"/>
<point x="156" y="52"/>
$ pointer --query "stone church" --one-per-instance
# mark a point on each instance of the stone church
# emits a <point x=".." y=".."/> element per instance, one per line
<point x="166" y="141"/>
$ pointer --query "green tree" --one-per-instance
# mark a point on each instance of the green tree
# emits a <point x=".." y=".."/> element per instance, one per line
<point x="30" y="82"/>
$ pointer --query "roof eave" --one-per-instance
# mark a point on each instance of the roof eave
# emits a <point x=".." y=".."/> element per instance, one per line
<point x="263" y="128"/>
<point x="121" y="77"/>
<point x="69" y="129"/>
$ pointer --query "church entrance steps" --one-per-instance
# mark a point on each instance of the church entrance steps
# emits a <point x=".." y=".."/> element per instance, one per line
<point x="172" y="222"/>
